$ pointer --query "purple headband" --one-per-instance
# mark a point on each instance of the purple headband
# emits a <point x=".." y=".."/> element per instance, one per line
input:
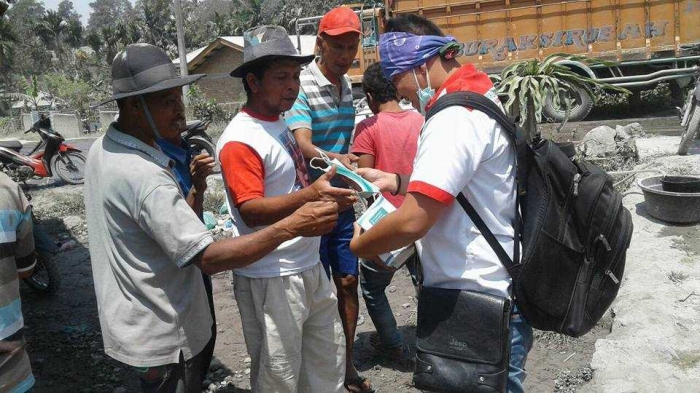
<point x="401" y="52"/>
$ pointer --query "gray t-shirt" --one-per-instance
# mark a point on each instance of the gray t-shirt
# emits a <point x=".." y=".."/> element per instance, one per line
<point x="151" y="301"/>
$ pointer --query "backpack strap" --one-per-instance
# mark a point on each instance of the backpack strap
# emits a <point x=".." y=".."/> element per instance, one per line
<point x="488" y="235"/>
<point x="484" y="104"/>
<point x="475" y="101"/>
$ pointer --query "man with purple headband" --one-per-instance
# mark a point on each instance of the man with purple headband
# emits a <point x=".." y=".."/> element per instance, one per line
<point x="459" y="150"/>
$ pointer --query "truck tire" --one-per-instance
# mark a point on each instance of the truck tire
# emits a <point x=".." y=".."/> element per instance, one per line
<point x="580" y="107"/>
<point x="691" y="131"/>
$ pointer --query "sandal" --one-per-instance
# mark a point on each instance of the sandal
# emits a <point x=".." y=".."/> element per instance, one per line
<point x="357" y="383"/>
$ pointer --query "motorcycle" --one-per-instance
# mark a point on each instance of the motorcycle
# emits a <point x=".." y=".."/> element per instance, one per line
<point x="195" y="134"/>
<point x="48" y="156"/>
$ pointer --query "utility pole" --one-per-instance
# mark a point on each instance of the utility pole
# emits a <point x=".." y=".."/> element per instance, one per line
<point x="181" y="46"/>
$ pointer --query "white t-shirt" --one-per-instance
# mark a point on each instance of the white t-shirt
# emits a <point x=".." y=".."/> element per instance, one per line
<point x="260" y="158"/>
<point x="464" y="150"/>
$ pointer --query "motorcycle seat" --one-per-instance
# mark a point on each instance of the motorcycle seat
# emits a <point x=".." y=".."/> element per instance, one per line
<point x="12" y="145"/>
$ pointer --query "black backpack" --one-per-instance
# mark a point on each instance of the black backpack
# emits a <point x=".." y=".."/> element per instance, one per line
<point x="572" y="225"/>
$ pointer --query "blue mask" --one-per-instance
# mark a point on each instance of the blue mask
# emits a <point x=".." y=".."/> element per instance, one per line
<point x="424" y="95"/>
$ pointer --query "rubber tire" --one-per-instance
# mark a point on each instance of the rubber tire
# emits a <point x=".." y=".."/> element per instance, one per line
<point x="44" y="260"/>
<point x="197" y="144"/>
<point x="57" y="161"/>
<point x="578" y="112"/>
<point x="691" y="131"/>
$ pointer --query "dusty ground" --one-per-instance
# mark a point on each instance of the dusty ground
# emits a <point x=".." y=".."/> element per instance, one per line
<point x="653" y="346"/>
<point x="65" y="345"/>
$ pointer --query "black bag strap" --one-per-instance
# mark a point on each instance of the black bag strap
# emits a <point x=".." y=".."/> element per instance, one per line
<point x="484" y="104"/>
<point x="488" y="235"/>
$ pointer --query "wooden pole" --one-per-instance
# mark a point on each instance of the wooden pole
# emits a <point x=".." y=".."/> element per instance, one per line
<point x="181" y="46"/>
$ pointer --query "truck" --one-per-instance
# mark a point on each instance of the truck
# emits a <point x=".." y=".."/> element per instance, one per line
<point x="649" y="41"/>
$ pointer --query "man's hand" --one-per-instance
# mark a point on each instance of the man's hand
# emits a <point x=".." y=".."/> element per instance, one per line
<point x="384" y="180"/>
<point x="201" y="166"/>
<point x="312" y="219"/>
<point x="344" y="197"/>
<point x="378" y="264"/>
<point x="348" y="160"/>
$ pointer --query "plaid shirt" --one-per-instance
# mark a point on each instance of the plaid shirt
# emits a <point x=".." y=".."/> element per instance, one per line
<point x="320" y="108"/>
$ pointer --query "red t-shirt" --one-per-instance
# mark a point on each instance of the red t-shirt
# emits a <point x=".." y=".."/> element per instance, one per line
<point x="392" y="138"/>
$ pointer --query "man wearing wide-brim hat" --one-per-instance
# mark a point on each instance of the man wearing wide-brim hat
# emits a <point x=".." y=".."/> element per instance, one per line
<point x="288" y="310"/>
<point x="147" y="246"/>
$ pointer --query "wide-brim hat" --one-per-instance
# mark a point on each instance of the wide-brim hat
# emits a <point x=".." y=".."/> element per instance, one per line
<point x="142" y="69"/>
<point x="265" y="43"/>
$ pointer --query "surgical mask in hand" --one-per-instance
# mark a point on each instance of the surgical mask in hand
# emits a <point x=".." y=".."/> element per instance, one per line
<point x="365" y="189"/>
<point x="424" y="95"/>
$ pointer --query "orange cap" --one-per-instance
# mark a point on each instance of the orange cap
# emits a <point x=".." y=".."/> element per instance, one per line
<point x="340" y="20"/>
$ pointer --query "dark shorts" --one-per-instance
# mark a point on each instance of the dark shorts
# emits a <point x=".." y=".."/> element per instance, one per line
<point x="335" y="247"/>
<point x="182" y="377"/>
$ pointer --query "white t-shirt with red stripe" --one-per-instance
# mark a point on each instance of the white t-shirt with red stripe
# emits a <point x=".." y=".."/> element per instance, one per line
<point x="476" y="158"/>
<point x="260" y="158"/>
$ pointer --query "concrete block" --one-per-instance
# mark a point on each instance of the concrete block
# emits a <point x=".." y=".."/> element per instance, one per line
<point x="27" y="121"/>
<point x="66" y="124"/>
<point x="106" y="118"/>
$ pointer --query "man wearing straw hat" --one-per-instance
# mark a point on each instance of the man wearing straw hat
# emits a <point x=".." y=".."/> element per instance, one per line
<point x="287" y="306"/>
<point x="147" y="246"/>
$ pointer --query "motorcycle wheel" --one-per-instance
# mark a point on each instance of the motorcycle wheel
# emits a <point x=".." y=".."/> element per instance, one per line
<point x="199" y="145"/>
<point x="45" y="280"/>
<point x="70" y="167"/>
<point x="691" y="131"/>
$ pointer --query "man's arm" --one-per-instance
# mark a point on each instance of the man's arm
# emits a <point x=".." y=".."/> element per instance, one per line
<point x="395" y="183"/>
<point x="244" y="172"/>
<point x="312" y="219"/>
<point x="366" y="161"/>
<point x="409" y="223"/>
<point x="265" y="211"/>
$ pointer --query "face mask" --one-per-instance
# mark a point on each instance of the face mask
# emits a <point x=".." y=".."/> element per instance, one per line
<point x="424" y="95"/>
<point x="365" y="189"/>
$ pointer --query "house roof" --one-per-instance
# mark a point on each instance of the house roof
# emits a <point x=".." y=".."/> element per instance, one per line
<point x="196" y="57"/>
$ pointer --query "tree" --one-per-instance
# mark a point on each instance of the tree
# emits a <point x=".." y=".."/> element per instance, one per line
<point x="158" y="17"/>
<point x="109" y="13"/>
<point x="30" y="55"/>
<point x="74" y="33"/>
<point x="76" y="94"/>
<point x="8" y="42"/>
<point x="528" y="83"/>
<point x="50" y="29"/>
<point x="110" y="41"/>
<point x="29" y="95"/>
<point x="66" y="11"/>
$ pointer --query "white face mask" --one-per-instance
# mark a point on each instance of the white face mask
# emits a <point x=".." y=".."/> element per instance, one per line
<point x="424" y="95"/>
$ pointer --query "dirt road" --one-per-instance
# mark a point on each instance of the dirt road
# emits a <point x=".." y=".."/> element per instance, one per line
<point x="66" y="351"/>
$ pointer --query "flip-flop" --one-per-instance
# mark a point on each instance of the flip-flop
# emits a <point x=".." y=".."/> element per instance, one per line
<point x="357" y="383"/>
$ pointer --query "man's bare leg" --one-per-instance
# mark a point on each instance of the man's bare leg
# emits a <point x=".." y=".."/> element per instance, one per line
<point x="349" y="308"/>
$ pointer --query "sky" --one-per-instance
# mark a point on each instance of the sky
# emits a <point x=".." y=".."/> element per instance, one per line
<point x="81" y="6"/>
